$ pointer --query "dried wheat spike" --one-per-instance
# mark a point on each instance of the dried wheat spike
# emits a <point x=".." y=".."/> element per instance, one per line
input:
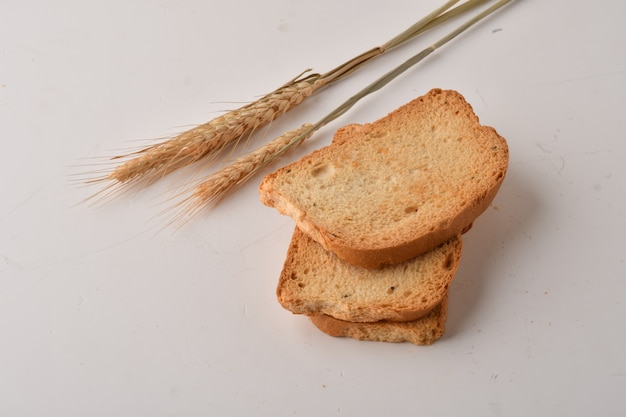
<point x="208" y="139"/>
<point x="217" y="185"/>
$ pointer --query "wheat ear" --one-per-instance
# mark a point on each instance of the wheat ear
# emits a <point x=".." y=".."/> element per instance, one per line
<point x="161" y="159"/>
<point x="156" y="161"/>
<point x="214" y="187"/>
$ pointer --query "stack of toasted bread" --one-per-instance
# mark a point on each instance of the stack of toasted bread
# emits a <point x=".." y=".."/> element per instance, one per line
<point x="379" y="216"/>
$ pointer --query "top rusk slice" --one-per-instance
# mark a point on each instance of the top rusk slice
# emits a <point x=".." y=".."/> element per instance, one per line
<point x="387" y="191"/>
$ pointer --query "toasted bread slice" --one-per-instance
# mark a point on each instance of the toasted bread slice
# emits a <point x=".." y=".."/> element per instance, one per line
<point x="315" y="281"/>
<point x="423" y="331"/>
<point x="388" y="191"/>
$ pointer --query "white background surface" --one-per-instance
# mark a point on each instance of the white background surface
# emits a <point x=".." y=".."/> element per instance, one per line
<point x="103" y="311"/>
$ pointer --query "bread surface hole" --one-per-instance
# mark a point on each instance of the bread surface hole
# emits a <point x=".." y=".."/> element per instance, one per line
<point x="448" y="262"/>
<point x="322" y="171"/>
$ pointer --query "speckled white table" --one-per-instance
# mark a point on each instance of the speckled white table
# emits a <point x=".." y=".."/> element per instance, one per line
<point x="104" y="311"/>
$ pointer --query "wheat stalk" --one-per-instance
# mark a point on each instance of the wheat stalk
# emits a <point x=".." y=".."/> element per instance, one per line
<point x="214" y="187"/>
<point x="207" y="140"/>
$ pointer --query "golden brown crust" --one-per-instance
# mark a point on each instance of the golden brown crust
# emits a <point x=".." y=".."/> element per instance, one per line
<point x="315" y="281"/>
<point x="423" y="331"/>
<point x="390" y="190"/>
